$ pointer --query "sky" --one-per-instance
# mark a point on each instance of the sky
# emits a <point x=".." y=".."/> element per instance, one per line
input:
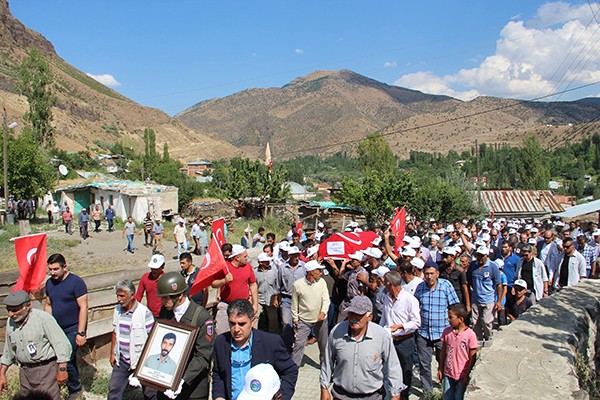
<point x="174" y="54"/>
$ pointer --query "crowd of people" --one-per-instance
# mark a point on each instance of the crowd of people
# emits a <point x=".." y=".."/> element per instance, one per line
<point x="374" y="313"/>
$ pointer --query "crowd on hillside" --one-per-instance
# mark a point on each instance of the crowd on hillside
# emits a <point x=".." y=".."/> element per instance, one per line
<point x="374" y="313"/>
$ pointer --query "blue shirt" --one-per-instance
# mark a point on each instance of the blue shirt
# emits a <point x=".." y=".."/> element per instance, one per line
<point x="484" y="281"/>
<point x="63" y="296"/>
<point x="510" y="268"/>
<point x="434" y="307"/>
<point x="110" y="213"/>
<point x="504" y="283"/>
<point x="240" y="365"/>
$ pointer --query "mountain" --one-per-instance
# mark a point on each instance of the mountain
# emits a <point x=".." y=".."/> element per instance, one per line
<point x="89" y="115"/>
<point x="325" y="109"/>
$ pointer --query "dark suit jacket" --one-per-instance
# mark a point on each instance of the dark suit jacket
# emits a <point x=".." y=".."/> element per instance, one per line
<point x="266" y="348"/>
<point x="197" y="371"/>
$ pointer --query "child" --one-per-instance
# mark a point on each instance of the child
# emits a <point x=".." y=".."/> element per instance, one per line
<point x="522" y="301"/>
<point x="459" y="347"/>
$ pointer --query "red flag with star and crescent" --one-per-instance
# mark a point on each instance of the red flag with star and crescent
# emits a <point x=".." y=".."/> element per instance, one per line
<point x="398" y="227"/>
<point x="218" y="231"/>
<point x="213" y="267"/>
<point x="31" y="258"/>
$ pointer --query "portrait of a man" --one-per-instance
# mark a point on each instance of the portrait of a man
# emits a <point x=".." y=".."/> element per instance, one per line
<point x="162" y="362"/>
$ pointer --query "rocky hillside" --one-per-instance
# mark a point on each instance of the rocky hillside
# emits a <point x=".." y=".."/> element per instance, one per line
<point x="326" y="108"/>
<point x="88" y="115"/>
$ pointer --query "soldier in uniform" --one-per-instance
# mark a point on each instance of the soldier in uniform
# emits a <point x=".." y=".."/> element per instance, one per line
<point x="177" y="306"/>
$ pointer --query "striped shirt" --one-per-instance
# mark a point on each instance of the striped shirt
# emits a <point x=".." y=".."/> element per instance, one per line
<point x="434" y="307"/>
<point x="122" y="322"/>
<point x="589" y="253"/>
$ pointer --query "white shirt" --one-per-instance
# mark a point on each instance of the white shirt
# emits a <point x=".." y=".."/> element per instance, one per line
<point x="404" y="310"/>
<point x="181" y="309"/>
<point x="412" y="285"/>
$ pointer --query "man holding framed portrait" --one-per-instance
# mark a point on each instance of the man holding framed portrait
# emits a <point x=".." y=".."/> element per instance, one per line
<point x="176" y="306"/>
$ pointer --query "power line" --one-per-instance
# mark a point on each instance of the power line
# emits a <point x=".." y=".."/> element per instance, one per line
<point x="517" y="102"/>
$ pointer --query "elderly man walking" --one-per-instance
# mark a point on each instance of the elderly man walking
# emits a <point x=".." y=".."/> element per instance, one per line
<point x="310" y="302"/>
<point x="36" y="342"/>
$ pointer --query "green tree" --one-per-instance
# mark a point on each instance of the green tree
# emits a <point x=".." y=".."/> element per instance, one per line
<point x="30" y="173"/>
<point x="375" y="154"/>
<point x="532" y="167"/>
<point x="35" y="83"/>
<point x="151" y="157"/>
<point x="377" y="194"/>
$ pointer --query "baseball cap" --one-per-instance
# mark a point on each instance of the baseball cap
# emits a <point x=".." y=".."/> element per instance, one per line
<point x="180" y="220"/>
<point x="434" y="237"/>
<point x="264" y="257"/>
<point x="512" y="231"/>
<point x="532" y="241"/>
<point x="360" y="305"/>
<point x="450" y="228"/>
<point x="596" y="232"/>
<point x="321" y="225"/>
<point x="157" y="261"/>
<point x="16" y="298"/>
<point x="248" y="230"/>
<point x="485" y="236"/>
<point x="373" y="252"/>
<point x="293" y="250"/>
<point x="380" y="271"/>
<point x="311" y="251"/>
<point x="237" y="250"/>
<point x="261" y="383"/>
<point x="284" y="246"/>
<point x="376" y="241"/>
<point x="357" y="256"/>
<point x="483" y="250"/>
<point x="409" y="252"/>
<point x="415" y="244"/>
<point x="312" y="265"/>
<point x="499" y="262"/>
<point x="534" y="230"/>
<point x="201" y="225"/>
<point x="521" y="283"/>
<point x="449" y="250"/>
<point x="417" y="262"/>
<point x="407" y="239"/>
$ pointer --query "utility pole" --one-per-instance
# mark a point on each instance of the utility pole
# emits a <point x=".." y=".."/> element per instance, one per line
<point x="478" y="173"/>
<point x="5" y="161"/>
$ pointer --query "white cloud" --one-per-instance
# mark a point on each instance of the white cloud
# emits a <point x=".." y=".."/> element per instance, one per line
<point x="105" y="79"/>
<point x="299" y="51"/>
<point x="528" y="57"/>
<point x="390" y="64"/>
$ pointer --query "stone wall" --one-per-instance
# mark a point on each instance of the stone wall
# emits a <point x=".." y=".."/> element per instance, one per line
<point x="535" y="356"/>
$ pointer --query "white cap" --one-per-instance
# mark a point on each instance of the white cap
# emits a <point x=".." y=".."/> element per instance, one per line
<point x="520" y="282"/>
<point x="596" y="232"/>
<point x="532" y="241"/>
<point x="201" y="225"/>
<point x="180" y="220"/>
<point x="264" y="257"/>
<point x="450" y="228"/>
<point x="483" y="250"/>
<point x="376" y="241"/>
<point x="459" y="242"/>
<point x="312" y="265"/>
<point x="357" y="256"/>
<point x="534" y="230"/>
<point x="157" y="261"/>
<point x="248" y="230"/>
<point x="449" y="250"/>
<point x="380" y="271"/>
<point x="358" y="229"/>
<point x="236" y="250"/>
<point x="284" y="246"/>
<point x="434" y="237"/>
<point x="311" y="251"/>
<point x="321" y="225"/>
<point x="499" y="262"/>
<point x="261" y="383"/>
<point x="418" y="262"/>
<point x="512" y="231"/>
<point x="407" y="239"/>
<point x="408" y="252"/>
<point x="293" y="250"/>
<point x="416" y="239"/>
<point x="486" y="237"/>
<point x="441" y="231"/>
<point x="373" y="252"/>
<point x="559" y="223"/>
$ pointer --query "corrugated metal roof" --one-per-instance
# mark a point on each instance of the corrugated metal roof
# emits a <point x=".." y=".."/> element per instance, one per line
<point x="581" y="209"/>
<point x="129" y="188"/>
<point x="527" y="202"/>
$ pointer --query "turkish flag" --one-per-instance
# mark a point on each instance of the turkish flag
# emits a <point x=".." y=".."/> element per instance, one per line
<point x="213" y="267"/>
<point x="299" y="228"/>
<point x="340" y="245"/>
<point x="218" y="231"/>
<point x="398" y="227"/>
<point x="31" y="258"/>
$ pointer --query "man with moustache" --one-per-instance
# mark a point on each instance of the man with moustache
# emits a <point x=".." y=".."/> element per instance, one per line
<point x="162" y="362"/>
<point x="360" y="359"/>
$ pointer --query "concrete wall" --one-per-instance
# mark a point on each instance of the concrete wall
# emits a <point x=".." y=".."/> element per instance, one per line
<point x="535" y="356"/>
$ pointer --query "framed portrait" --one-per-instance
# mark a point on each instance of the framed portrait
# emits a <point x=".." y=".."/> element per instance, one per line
<point x="165" y="354"/>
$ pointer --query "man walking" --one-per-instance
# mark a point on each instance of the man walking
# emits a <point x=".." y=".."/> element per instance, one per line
<point x="148" y="231"/>
<point x="84" y="220"/>
<point x="310" y="303"/>
<point x="67" y="301"/>
<point x="67" y="217"/>
<point x="434" y="295"/>
<point x="194" y="383"/>
<point x="148" y="284"/>
<point x="110" y="217"/>
<point x="35" y="341"/>
<point x="181" y="237"/>
<point x="402" y="317"/>
<point x="130" y="230"/>
<point x="132" y="322"/>
<point x="158" y="230"/>
<point x="360" y="358"/>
